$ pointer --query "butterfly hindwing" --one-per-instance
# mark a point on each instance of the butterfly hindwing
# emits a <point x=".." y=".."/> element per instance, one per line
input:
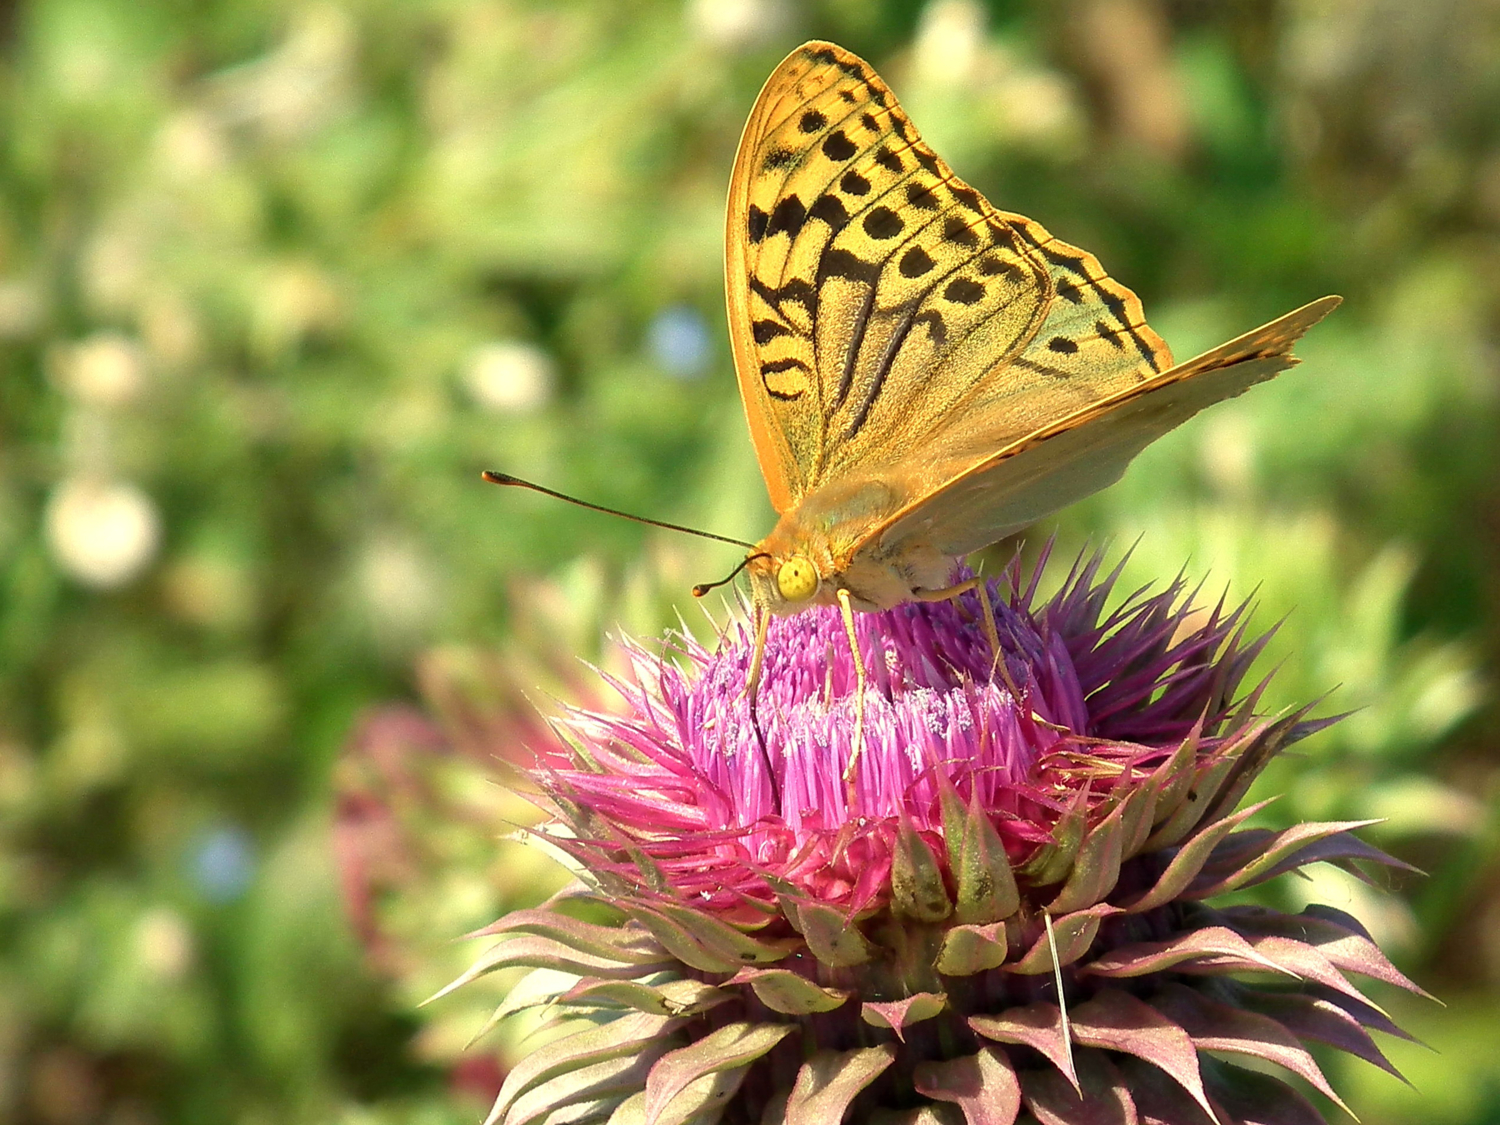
<point x="1076" y="455"/>
<point x="883" y="312"/>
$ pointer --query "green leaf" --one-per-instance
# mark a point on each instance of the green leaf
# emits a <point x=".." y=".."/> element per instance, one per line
<point x="917" y="889"/>
<point x="832" y="936"/>
<point x="983" y="1085"/>
<point x="1072" y="934"/>
<point x="972" y="949"/>
<point x="787" y="992"/>
<point x="986" y="885"/>
<point x="830" y="1080"/>
<point x="898" y="1015"/>
<point x="731" y="1047"/>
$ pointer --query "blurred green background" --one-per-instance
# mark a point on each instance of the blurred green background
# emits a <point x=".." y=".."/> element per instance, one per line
<point x="278" y="279"/>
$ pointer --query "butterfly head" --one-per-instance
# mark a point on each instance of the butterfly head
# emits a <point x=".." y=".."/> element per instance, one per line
<point x="796" y="579"/>
<point x="783" y="583"/>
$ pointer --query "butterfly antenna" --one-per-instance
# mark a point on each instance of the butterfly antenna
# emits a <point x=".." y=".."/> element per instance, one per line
<point x="703" y="588"/>
<point x="506" y="478"/>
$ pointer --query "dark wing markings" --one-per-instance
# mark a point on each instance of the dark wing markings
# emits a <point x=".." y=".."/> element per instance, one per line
<point x="1112" y="301"/>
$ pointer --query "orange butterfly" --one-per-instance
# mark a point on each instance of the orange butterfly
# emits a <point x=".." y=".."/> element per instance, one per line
<point x="922" y="373"/>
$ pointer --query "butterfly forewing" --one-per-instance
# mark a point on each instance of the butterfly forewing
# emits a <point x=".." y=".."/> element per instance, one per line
<point x="883" y="313"/>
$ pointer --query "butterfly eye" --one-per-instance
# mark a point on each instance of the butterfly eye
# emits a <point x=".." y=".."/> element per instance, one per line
<point x="797" y="579"/>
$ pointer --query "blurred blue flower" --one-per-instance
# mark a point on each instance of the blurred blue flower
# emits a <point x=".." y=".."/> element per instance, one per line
<point x="222" y="863"/>
<point x="679" y="341"/>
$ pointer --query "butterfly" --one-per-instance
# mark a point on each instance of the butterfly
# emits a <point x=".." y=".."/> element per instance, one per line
<point x="923" y="373"/>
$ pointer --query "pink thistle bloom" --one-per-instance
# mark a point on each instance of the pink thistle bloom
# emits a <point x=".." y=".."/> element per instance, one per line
<point x="1005" y="910"/>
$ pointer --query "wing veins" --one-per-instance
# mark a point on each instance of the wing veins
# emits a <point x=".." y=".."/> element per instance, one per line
<point x="898" y="338"/>
<point x="887" y="360"/>
<point x="851" y="359"/>
<point x="1112" y="301"/>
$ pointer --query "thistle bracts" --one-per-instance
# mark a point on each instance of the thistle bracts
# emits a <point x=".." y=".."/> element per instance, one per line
<point x="1007" y="916"/>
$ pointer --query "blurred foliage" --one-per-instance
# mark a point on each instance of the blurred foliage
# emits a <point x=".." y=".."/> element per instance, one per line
<point x="277" y="280"/>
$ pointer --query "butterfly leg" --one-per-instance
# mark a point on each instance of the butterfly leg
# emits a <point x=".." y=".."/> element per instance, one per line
<point x="991" y="629"/>
<point x="986" y="620"/>
<point x="752" y="681"/>
<point x="752" y="693"/>
<point x="859" y="691"/>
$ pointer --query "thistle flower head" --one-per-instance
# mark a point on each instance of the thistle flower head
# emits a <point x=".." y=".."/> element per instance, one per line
<point x="1005" y="909"/>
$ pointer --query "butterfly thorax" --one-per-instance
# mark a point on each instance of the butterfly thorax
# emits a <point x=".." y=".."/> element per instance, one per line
<point x="825" y="544"/>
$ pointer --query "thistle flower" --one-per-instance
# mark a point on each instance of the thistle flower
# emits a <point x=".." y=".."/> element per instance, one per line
<point x="1005" y="914"/>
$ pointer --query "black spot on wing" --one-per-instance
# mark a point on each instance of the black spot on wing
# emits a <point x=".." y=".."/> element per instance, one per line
<point x="969" y="198"/>
<point x="883" y="223"/>
<point x="1041" y="368"/>
<point x="836" y="262"/>
<point x="776" y="367"/>
<point x="812" y="121"/>
<point x="937" y="329"/>
<point x="838" y="146"/>
<point x="823" y="55"/>
<point x="1061" y="345"/>
<point x="829" y="209"/>
<point x="854" y="184"/>
<point x="848" y="95"/>
<point x="1141" y="346"/>
<point x="992" y="265"/>
<point x="1112" y="301"/>
<point x="869" y="121"/>
<point x="1070" y="292"/>
<point x="765" y="331"/>
<point x="757" y="224"/>
<point x="1109" y="334"/>
<point x="889" y="160"/>
<point x="922" y="195"/>
<point x="795" y="291"/>
<point x="778" y="158"/>
<point x="964" y="291"/>
<point x="1068" y="262"/>
<point x="915" y="262"/>
<point x="926" y="158"/>
<point x="902" y="128"/>
<point x="788" y="215"/>
<point x="957" y="231"/>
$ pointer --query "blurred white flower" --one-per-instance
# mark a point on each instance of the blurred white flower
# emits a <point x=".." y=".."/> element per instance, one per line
<point x="102" y="533"/>
<point x="1036" y="106"/>
<point x="1227" y="450"/>
<point x="737" y="24"/>
<point x="294" y="298"/>
<point x="302" y="84"/>
<point x="509" y="377"/>
<point x="396" y="581"/>
<point x="190" y="143"/>
<point x="104" y="371"/>
<point x="164" y="944"/>
<point x="169" y="327"/>
<point x="115" y="267"/>
<point x="949" y="40"/>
